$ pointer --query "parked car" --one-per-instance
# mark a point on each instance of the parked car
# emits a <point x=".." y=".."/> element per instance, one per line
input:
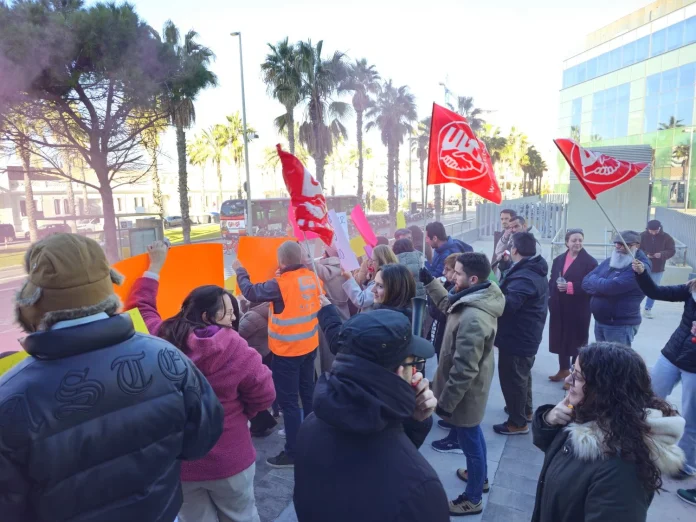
<point x="7" y="232"/>
<point x="172" y="221"/>
<point x="49" y="230"/>
<point x="90" y="225"/>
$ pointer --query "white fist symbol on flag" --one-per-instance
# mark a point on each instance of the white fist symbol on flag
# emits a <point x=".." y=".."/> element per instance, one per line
<point x="459" y="150"/>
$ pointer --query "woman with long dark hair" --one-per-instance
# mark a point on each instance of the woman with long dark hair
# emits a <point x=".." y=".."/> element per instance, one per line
<point x="607" y="443"/>
<point x="220" y="486"/>
<point x="569" y="304"/>
<point x="394" y="288"/>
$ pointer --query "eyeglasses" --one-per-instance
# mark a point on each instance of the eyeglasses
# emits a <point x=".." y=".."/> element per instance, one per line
<point x="573" y="373"/>
<point x="418" y="365"/>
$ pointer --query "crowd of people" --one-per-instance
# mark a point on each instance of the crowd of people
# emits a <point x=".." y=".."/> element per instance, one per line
<point x="102" y="423"/>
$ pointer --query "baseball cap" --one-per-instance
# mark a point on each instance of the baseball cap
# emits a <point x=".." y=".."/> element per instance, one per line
<point x="654" y="224"/>
<point x="383" y="337"/>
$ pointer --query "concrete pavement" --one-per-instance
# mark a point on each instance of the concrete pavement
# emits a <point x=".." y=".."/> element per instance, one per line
<point x="513" y="462"/>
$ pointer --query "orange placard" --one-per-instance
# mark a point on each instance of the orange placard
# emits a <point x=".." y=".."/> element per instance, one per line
<point x="258" y="256"/>
<point x="187" y="267"/>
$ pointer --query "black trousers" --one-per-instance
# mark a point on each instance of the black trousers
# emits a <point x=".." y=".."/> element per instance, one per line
<point x="516" y="382"/>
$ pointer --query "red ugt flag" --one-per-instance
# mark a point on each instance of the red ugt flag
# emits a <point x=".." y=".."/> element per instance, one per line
<point x="597" y="173"/>
<point x="306" y="197"/>
<point x="456" y="155"/>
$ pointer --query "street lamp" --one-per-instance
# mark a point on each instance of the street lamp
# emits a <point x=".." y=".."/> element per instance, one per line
<point x="246" y="138"/>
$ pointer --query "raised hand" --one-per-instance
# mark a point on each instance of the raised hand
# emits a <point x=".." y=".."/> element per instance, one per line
<point x="426" y="403"/>
<point x="157" y="252"/>
<point x="638" y="267"/>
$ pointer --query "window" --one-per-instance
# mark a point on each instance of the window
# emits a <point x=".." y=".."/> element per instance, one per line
<point x="658" y="42"/>
<point x="119" y="206"/>
<point x="576" y="119"/>
<point x="135" y="203"/>
<point x="66" y="208"/>
<point x="667" y="39"/>
<point x="669" y="99"/>
<point x="23" y="208"/>
<point x="142" y="202"/>
<point x="610" y="113"/>
<point x="56" y="206"/>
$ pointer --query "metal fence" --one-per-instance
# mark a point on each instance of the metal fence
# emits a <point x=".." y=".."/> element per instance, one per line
<point x="466" y="230"/>
<point x="681" y="227"/>
<point x="548" y="217"/>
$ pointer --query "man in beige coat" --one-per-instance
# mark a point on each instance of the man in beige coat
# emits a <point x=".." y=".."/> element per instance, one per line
<point x="466" y="366"/>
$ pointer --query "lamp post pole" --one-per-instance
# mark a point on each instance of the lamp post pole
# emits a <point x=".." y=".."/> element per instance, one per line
<point x="246" y="139"/>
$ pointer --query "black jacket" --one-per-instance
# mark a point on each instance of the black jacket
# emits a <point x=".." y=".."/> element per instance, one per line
<point x="93" y="424"/>
<point x="575" y="489"/>
<point x="353" y="460"/>
<point x="662" y="243"/>
<point x="680" y="350"/>
<point x="330" y="322"/>
<point x="526" y="293"/>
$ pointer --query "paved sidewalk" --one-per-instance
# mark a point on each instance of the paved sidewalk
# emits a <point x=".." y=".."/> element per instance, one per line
<point x="514" y="463"/>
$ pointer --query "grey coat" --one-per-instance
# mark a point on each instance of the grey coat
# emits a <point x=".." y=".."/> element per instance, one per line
<point x="465" y="371"/>
<point x="414" y="261"/>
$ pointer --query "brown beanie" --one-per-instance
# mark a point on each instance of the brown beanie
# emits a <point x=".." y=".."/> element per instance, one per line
<point x="68" y="278"/>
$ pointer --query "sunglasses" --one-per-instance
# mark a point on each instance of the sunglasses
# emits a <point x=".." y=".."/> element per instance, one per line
<point x="418" y="365"/>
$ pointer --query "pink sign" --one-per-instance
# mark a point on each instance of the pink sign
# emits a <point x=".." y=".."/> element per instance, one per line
<point x="296" y="230"/>
<point x="368" y="251"/>
<point x="363" y="225"/>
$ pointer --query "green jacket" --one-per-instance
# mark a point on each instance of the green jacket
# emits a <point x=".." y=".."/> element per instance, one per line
<point x="466" y="366"/>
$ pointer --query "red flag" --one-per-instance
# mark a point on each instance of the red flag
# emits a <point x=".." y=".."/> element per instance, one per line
<point x="306" y="197"/>
<point x="457" y="156"/>
<point x="597" y="172"/>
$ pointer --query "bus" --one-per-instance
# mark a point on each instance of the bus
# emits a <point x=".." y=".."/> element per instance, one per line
<point x="269" y="216"/>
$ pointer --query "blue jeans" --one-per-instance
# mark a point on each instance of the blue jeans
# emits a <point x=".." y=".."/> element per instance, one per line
<point x="623" y="334"/>
<point x="474" y="447"/>
<point x="656" y="277"/>
<point x="665" y="376"/>
<point x="293" y="376"/>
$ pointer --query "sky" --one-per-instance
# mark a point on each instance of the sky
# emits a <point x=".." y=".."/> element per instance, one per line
<point x="507" y="54"/>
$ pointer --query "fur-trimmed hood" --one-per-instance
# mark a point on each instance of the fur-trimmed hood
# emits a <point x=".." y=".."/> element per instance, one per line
<point x="587" y="441"/>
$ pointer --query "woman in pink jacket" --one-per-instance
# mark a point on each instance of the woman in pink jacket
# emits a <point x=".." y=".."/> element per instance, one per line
<point x="219" y="486"/>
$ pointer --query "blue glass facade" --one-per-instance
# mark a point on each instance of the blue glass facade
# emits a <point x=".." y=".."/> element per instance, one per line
<point x="669" y="98"/>
<point x="660" y="42"/>
<point x="610" y="112"/>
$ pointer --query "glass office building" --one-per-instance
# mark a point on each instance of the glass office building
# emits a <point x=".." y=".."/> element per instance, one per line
<point x="637" y="86"/>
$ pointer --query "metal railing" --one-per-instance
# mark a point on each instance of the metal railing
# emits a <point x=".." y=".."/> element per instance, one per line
<point x="547" y="217"/>
<point x="682" y="227"/>
<point x="465" y="230"/>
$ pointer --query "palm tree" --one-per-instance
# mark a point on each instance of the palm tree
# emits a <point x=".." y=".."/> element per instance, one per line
<point x="216" y="140"/>
<point x="515" y="151"/>
<point x="465" y="107"/>
<point x="198" y="154"/>
<point x="673" y="123"/>
<point x="194" y="59"/>
<point x="283" y="80"/>
<point x="575" y="133"/>
<point x="235" y="141"/>
<point x="322" y="82"/>
<point x="393" y="113"/>
<point x="680" y="154"/>
<point x="363" y="80"/>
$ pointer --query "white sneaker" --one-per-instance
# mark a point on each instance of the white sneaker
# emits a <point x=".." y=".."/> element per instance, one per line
<point x="647" y="314"/>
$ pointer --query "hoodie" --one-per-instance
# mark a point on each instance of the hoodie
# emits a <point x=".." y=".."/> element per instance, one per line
<point x="579" y="481"/>
<point x="242" y="383"/>
<point x="526" y="290"/>
<point x="451" y="246"/>
<point x="357" y="428"/>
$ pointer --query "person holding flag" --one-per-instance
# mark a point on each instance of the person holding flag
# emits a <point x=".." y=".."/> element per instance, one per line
<point x="293" y="329"/>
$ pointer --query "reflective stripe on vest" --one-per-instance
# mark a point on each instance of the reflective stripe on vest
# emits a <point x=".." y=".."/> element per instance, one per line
<point x="295" y="331"/>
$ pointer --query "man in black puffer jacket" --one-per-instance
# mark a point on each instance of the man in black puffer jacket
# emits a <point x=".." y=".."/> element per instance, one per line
<point x="354" y="462"/>
<point x="94" y="422"/>
<point x="677" y="363"/>
<point x="520" y="329"/>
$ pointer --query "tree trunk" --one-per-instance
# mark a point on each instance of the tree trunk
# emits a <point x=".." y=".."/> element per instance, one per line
<point x="396" y="179"/>
<point x="183" y="184"/>
<point x="464" y="204"/>
<point x="218" y="169"/>
<point x="359" y="135"/>
<point x="29" y="197"/>
<point x="239" y="181"/>
<point x="320" y="161"/>
<point x="110" y="228"/>
<point x="438" y="202"/>
<point x="422" y="172"/>
<point x="71" y="202"/>
<point x="157" y="190"/>
<point x="290" y="120"/>
<point x="391" y="196"/>
<point x="85" y="195"/>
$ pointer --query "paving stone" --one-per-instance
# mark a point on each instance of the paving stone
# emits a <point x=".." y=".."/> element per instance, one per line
<point x="515" y="483"/>
<point x="512" y="499"/>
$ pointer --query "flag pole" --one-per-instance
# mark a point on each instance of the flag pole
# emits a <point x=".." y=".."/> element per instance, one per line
<point x="425" y="220"/>
<point x="311" y="258"/>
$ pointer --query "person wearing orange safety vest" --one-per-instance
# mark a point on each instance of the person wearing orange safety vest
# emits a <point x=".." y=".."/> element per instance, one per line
<point x="293" y="337"/>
